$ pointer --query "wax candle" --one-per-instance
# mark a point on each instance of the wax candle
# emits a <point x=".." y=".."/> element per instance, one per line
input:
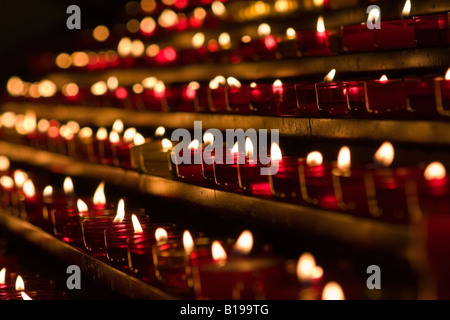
<point x="316" y="182"/>
<point x="189" y="167"/>
<point x="99" y="97"/>
<point x="284" y="184"/>
<point x="154" y="95"/>
<point x="266" y="44"/>
<point x="306" y="98"/>
<point x="218" y="97"/>
<point x="196" y="53"/>
<point x="86" y="144"/>
<point x="226" y="173"/>
<point x="274" y="99"/>
<point x="287" y="45"/>
<point x="245" y="50"/>
<point x="386" y="98"/>
<point x="433" y="190"/>
<point x="239" y="99"/>
<point x="32" y="204"/>
<point x="181" y="97"/>
<point x="421" y="97"/>
<point x="317" y="43"/>
<point x="432" y="29"/>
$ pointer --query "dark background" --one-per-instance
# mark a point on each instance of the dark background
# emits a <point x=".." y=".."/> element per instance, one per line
<point x="30" y="28"/>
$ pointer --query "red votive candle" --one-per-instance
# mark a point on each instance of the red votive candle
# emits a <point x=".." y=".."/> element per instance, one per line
<point x="202" y="98"/>
<point x="395" y="34"/>
<point x="154" y="95"/>
<point x="307" y="99"/>
<point x="318" y="42"/>
<point x="421" y="97"/>
<point x="226" y="173"/>
<point x="432" y="29"/>
<point x="433" y="189"/>
<point x="239" y="97"/>
<point x="274" y="99"/>
<point x="191" y="170"/>
<point x="287" y="45"/>
<point x="357" y="38"/>
<point x="181" y="98"/>
<point x="218" y="96"/>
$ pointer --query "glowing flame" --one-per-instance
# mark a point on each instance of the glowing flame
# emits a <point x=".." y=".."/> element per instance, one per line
<point x="406" y="8"/>
<point x="235" y="148"/>
<point x="249" y="151"/>
<point x="102" y="134"/>
<point x="447" y="75"/>
<point x="208" y="138"/>
<point x="194" y="144"/>
<point x="224" y="40"/>
<point x="344" y="159"/>
<point x="160" y="131"/>
<point x="216" y="82"/>
<point x="4" y="163"/>
<point x="374" y="15"/>
<point x="20" y="285"/>
<point x="19" y="178"/>
<point x="188" y="242"/>
<point x="198" y="40"/>
<point x="68" y="186"/>
<point x="138" y="139"/>
<point x="385" y="154"/>
<point x="99" y="195"/>
<point x="99" y="88"/>
<point x="82" y="206"/>
<point x="233" y="82"/>
<point x="149" y="82"/>
<point x="166" y="144"/>
<point x="3" y="276"/>
<point x="114" y="137"/>
<point x="128" y="135"/>
<point x="275" y="152"/>
<point x="264" y="30"/>
<point x="160" y="89"/>
<point x="46" y="88"/>
<point x="112" y="83"/>
<point x="218" y="8"/>
<point x="28" y="189"/>
<point x="330" y="76"/>
<point x="244" y="243"/>
<point x="218" y="252"/>
<point x="314" y="159"/>
<point x="85" y="133"/>
<point x="161" y="235"/>
<point x="43" y="125"/>
<point x="7" y="182"/>
<point x="48" y="191"/>
<point x="320" y="25"/>
<point x="435" y="170"/>
<point x="136" y="225"/>
<point x="291" y="34"/>
<point x="74" y="126"/>
<point x="383" y="78"/>
<point x="305" y="267"/>
<point x="120" y="215"/>
<point x="332" y="291"/>
<point x="25" y="296"/>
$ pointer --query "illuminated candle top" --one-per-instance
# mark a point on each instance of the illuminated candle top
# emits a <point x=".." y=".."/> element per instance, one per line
<point x="435" y="171"/>
<point x="233" y="82"/>
<point x="306" y="267"/>
<point x="330" y="76"/>
<point x="7" y="182"/>
<point x="406" y="8"/>
<point x="99" y="198"/>
<point x="3" y="276"/>
<point x="161" y="235"/>
<point x="82" y="206"/>
<point x="20" y="284"/>
<point x="120" y="215"/>
<point x="218" y="252"/>
<point x="85" y="133"/>
<point x="244" y="244"/>
<point x="208" y="138"/>
<point x="166" y="144"/>
<point x="447" y="75"/>
<point x="28" y="189"/>
<point x="114" y="137"/>
<point x="216" y="82"/>
<point x="149" y="82"/>
<point x="136" y="225"/>
<point x="160" y="131"/>
<point x="74" y="126"/>
<point x="188" y="242"/>
<point x="224" y="40"/>
<point x="344" y="159"/>
<point x="19" y="178"/>
<point x="48" y="191"/>
<point x="128" y="135"/>
<point x="102" y="134"/>
<point x="99" y="88"/>
<point x="291" y="34"/>
<point x="249" y="151"/>
<point x="112" y="83"/>
<point x="320" y="25"/>
<point x="194" y="144"/>
<point x="332" y="291"/>
<point x="314" y="158"/>
<point x="198" y="40"/>
<point x="384" y="155"/>
<point x="118" y="126"/>
<point x="383" y="78"/>
<point x="4" y="163"/>
<point x="138" y="139"/>
<point x="264" y="30"/>
<point x="68" y="187"/>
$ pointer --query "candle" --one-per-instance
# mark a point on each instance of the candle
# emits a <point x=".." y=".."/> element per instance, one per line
<point x="245" y="50"/>
<point x="154" y="95"/>
<point x="317" y="43"/>
<point x="189" y="169"/>
<point x="32" y="204"/>
<point x="239" y="100"/>
<point x="218" y="97"/>
<point x="226" y="173"/>
<point x="332" y="291"/>
<point x="306" y="99"/>
<point x="386" y="98"/>
<point x="86" y="144"/>
<point x="153" y="157"/>
<point x="287" y="45"/>
<point x="266" y="44"/>
<point x="432" y="29"/>
<point x="433" y="190"/>
<point x="196" y="53"/>
<point x="277" y="99"/>
<point x="315" y="181"/>
<point x="181" y="98"/>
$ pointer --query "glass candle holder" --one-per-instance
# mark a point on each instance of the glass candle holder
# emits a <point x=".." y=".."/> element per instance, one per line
<point x="251" y="180"/>
<point x="285" y="184"/>
<point x="181" y="98"/>
<point x="226" y="174"/>
<point x="202" y="99"/>
<point x="314" y="43"/>
<point x="239" y="99"/>
<point x="154" y="100"/>
<point x="356" y="38"/>
<point x="192" y="170"/>
<point x="218" y="99"/>
<point x="307" y="100"/>
<point x="434" y="195"/>
<point x="266" y="48"/>
<point x="277" y="99"/>
<point x="432" y="29"/>
<point x="395" y="34"/>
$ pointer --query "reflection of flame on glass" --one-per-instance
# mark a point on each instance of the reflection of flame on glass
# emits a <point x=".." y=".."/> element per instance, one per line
<point x="332" y="291"/>
<point x="435" y="171"/>
<point x="385" y="154"/>
<point x="244" y="243"/>
<point x="314" y="158"/>
<point x="120" y="213"/>
<point x="218" y="252"/>
<point x="188" y="242"/>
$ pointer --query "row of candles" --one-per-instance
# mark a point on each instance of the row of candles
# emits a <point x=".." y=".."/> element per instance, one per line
<point x="377" y="190"/>
<point x="420" y="31"/>
<point x="400" y="98"/>
<point x="127" y="239"/>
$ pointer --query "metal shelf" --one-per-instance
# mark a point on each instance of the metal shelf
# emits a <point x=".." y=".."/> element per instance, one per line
<point x="116" y="280"/>
<point x="349" y="229"/>
<point x="405" y="131"/>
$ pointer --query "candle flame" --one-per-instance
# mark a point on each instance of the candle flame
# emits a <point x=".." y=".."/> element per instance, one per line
<point x="208" y="138"/>
<point x="48" y="191"/>
<point x="314" y="159"/>
<point x="320" y="25"/>
<point x="4" y="163"/>
<point x="136" y="225"/>
<point x="160" y="131"/>
<point x="20" y="285"/>
<point x="149" y="82"/>
<point x="166" y="144"/>
<point x="384" y="78"/>
<point x="264" y="30"/>
<point x="7" y="182"/>
<point x="188" y="242"/>
<point x="99" y="88"/>
<point x="99" y="195"/>
<point x="330" y="76"/>
<point x="102" y="134"/>
<point x="68" y="186"/>
<point x="112" y="83"/>
<point x="74" y="126"/>
<point x="317" y="273"/>
<point x="194" y="144"/>
<point x="447" y="74"/>
<point x="216" y="82"/>
<point x="114" y="137"/>
<point x="305" y="266"/>
<point x="161" y="235"/>
<point x="3" y="276"/>
<point x="198" y="40"/>
<point x="291" y="33"/>
<point x="344" y="159"/>
<point x="275" y="152"/>
<point x="43" y="125"/>
<point x="385" y="154"/>
<point x="218" y="252"/>
<point x="224" y="40"/>
<point x="374" y="15"/>
<point x="277" y="83"/>
<point x="118" y="126"/>
<point x="19" y="178"/>
<point x="435" y="170"/>
<point x="332" y="291"/>
<point x="249" y="151"/>
<point x="244" y="243"/>
<point x="128" y="135"/>
<point x="406" y="8"/>
<point x="82" y="206"/>
<point x="28" y="189"/>
<point x="120" y="215"/>
<point x="25" y="296"/>
<point x="160" y="89"/>
<point x="218" y="8"/>
<point x="235" y="148"/>
<point x="138" y="139"/>
<point x="85" y="133"/>
<point x="233" y="82"/>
